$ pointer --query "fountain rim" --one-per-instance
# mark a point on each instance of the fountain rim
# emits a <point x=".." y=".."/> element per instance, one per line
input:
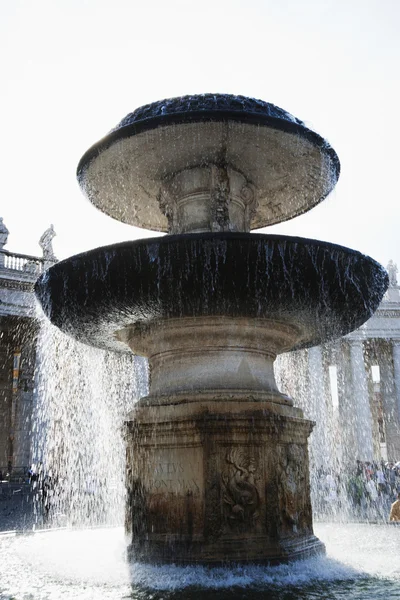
<point x="126" y="251"/>
<point x="168" y="238"/>
<point x="207" y="115"/>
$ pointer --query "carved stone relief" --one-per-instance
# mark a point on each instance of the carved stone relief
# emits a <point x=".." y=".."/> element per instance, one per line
<point x="240" y="496"/>
<point x="203" y="488"/>
<point x="292" y="479"/>
<point x="219" y="195"/>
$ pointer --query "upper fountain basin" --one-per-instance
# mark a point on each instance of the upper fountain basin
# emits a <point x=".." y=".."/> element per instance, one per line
<point x="153" y="169"/>
<point x="322" y="289"/>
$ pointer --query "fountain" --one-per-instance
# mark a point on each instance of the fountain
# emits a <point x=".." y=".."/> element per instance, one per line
<point x="217" y="461"/>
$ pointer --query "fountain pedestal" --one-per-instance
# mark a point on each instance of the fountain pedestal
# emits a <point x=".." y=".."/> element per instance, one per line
<point x="217" y="456"/>
<point x="219" y="479"/>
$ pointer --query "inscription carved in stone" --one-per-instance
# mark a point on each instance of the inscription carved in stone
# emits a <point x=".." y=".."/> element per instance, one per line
<point x="169" y="471"/>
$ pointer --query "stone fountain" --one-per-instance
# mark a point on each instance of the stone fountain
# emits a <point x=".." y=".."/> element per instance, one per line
<point x="217" y="460"/>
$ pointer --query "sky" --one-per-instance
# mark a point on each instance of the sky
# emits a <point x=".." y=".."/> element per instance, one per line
<point x="72" y="69"/>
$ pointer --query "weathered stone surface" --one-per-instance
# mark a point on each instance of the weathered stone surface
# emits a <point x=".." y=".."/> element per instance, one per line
<point x="219" y="481"/>
<point x="217" y="463"/>
<point x="211" y="355"/>
<point x="207" y="198"/>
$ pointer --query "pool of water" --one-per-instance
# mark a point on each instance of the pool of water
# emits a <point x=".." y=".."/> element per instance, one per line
<point x="362" y="563"/>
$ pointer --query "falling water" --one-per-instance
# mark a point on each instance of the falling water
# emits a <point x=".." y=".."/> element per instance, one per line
<point x="342" y="433"/>
<point x="82" y="397"/>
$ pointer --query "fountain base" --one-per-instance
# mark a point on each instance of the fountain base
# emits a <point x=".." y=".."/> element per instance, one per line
<point x="214" y="478"/>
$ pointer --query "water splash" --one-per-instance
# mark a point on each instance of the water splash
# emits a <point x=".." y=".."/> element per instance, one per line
<point x="362" y="564"/>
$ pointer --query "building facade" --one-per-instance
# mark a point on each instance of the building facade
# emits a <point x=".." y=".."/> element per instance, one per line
<point x="18" y="334"/>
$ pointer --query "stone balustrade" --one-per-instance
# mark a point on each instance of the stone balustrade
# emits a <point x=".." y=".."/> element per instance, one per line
<point x="18" y="274"/>
<point x="11" y="261"/>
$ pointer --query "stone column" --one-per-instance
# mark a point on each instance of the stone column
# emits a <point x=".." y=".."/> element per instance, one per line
<point x="319" y="440"/>
<point x="362" y="420"/>
<point x="396" y="369"/>
<point x="23" y="417"/>
<point x="374" y="392"/>
<point x="389" y="387"/>
<point x="347" y="444"/>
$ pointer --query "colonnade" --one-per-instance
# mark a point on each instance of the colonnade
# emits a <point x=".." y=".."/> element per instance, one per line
<point x="360" y="419"/>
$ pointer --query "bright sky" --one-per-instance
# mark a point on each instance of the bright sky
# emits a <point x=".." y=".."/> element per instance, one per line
<point x="71" y="69"/>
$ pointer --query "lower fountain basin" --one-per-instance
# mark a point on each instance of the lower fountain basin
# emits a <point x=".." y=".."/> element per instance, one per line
<point x="322" y="289"/>
<point x="362" y="562"/>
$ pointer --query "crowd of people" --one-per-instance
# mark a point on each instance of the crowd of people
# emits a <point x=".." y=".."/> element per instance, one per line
<point x="365" y="492"/>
